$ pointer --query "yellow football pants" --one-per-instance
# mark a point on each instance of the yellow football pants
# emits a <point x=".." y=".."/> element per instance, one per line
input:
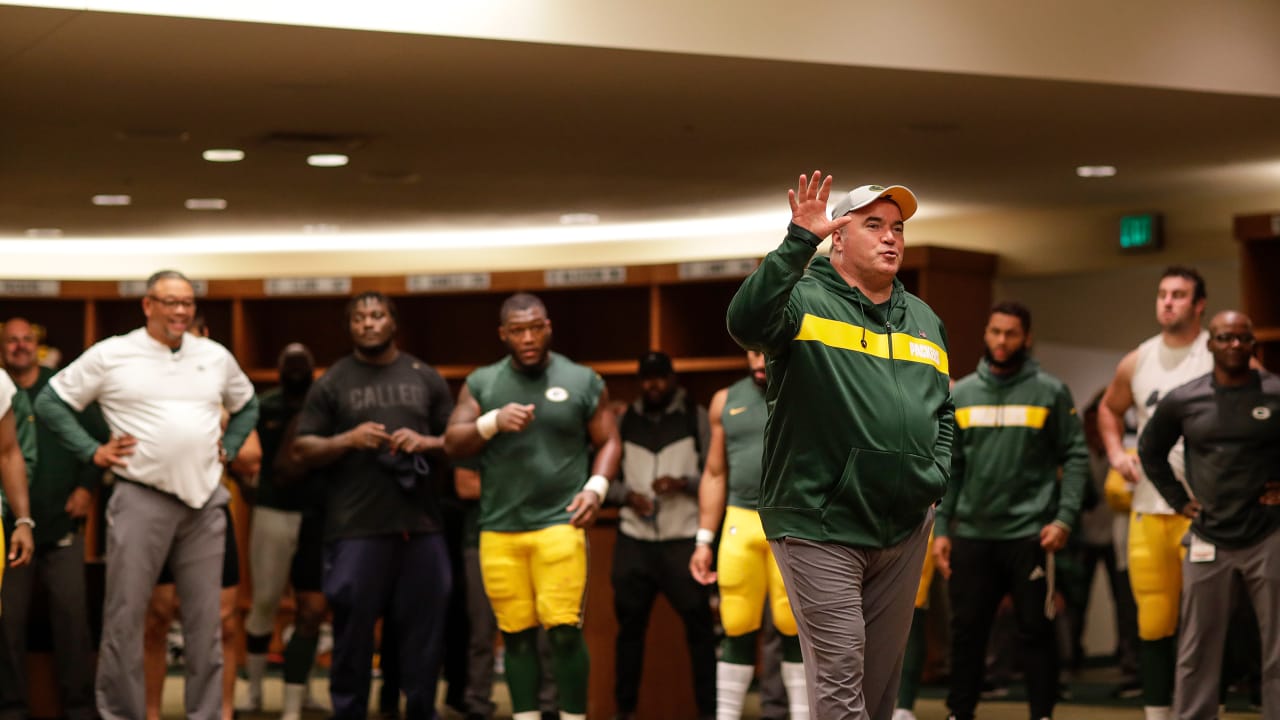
<point x="535" y="577"/>
<point x="747" y="572"/>
<point x="1155" y="571"/>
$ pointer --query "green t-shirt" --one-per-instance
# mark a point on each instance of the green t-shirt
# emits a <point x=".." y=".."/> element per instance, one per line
<point x="743" y="420"/>
<point x="528" y="478"/>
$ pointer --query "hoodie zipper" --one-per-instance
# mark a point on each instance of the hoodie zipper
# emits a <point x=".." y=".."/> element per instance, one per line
<point x="902" y="413"/>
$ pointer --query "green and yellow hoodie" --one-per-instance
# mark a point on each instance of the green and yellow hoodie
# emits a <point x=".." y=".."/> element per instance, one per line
<point x="858" y="441"/>
<point x="1013" y="434"/>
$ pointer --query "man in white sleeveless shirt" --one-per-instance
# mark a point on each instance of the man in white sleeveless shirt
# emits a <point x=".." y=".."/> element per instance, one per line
<point x="1176" y="356"/>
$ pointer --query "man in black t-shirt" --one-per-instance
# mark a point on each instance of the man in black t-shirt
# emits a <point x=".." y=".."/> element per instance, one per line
<point x="374" y="423"/>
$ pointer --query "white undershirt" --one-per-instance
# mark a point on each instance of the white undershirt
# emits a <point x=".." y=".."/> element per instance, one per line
<point x="1159" y="370"/>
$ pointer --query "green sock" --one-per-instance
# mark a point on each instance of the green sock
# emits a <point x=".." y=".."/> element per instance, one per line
<point x="571" y="666"/>
<point x="520" y="658"/>
<point x="791" y="649"/>
<point x="1157" y="661"/>
<point x="740" y="650"/>
<point x="299" y="654"/>
<point x="912" y="662"/>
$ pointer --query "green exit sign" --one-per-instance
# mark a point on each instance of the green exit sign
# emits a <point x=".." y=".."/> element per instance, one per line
<point x="1141" y="232"/>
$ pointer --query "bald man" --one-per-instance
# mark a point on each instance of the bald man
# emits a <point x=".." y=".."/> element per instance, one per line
<point x="1229" y="421"/>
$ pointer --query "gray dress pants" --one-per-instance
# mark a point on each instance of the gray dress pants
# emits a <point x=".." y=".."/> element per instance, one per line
<point x="144" y="528"/>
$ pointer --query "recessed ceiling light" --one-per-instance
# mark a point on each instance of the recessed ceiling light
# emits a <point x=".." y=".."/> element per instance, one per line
<point x="1096" y="171"/>
<point x="320" y="229"/>
<point x="43" y="232"/>
<point x="579" y="219"/>
<point x="224" y="155"/>
<point x="111" y="200"/>
<point x="327" y="160"/>
<point x="206" y="204"/>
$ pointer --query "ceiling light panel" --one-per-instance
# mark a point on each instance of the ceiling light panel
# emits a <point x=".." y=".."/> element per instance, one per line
<point x="327" y="160"/>
<point x="206" y="204"/>
<point x="223" y="155"/>
<point x="1096" y="171"/>
<point x="112" y="200"/>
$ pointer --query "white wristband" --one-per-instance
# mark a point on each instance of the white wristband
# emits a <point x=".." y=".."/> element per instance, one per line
<point x="25" y="521"/>
<point x="704" y="537"/>
<point x="597" y="484"/>
<point x="487" y="424"/>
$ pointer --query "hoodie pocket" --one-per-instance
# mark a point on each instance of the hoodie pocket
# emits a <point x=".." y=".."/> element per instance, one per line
<point x="862" y="499"/>
<point x="922" y="484"/>
<point x="881" y="495"/>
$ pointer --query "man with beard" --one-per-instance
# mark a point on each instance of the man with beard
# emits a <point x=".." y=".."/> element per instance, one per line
<point x="374" y="423"/>
<point x="61" y="497"/>
<point x="531" y="418"/>
<point x="286" y="543"/>
<point x="1006" y="512"/>
<point x="664" y="441"/>
<point x="1230" y="421"/>
<point x="1176" y="356"/>
<point x="162" y="392"/>
<point x="746" y="570"/>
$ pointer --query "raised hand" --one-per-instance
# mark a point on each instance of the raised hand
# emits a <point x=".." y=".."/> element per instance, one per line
<point x="809" y="205"/>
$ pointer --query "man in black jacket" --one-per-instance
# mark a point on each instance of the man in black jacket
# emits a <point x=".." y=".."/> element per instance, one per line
<point x="1230" y="423"/>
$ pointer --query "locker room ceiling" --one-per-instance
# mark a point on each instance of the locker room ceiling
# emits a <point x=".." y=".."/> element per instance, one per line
<point x="447" y="131"/>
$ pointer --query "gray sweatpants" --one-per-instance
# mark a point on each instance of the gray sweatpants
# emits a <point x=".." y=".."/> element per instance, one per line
<point x="1207" y="590"/>
<point x="144" y="527"/>
<point x="853" y="608"/>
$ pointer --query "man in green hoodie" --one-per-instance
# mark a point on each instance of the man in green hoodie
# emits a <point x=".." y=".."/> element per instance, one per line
<point x="858" y="440"/>
<point x="1006" y="512"/>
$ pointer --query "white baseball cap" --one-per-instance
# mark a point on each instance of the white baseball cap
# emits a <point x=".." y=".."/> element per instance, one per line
<point x="865" y="195"/>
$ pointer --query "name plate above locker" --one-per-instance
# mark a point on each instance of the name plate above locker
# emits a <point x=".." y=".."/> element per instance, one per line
<point x="307" y="286"/>
<point x="447" y="283"/>
<point x="138" y="288"/>
<point x="611" y="275"/>
<point x="31" y="288"/>
<point x="709" y="269"/>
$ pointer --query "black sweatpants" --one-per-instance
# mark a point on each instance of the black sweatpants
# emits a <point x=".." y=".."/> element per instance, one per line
<point x="982" y="572"/>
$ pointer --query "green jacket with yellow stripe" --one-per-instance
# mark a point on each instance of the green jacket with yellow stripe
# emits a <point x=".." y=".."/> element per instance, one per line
<point x="1013" y="435"/>
<point x="858" y="441"/>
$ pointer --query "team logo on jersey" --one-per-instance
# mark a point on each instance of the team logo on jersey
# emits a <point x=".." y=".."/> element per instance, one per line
<point x="1262" y="412"/>
<point x="557" y="394"/>
<point x="737" y="410"/>
<point x="733" y="529"/>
